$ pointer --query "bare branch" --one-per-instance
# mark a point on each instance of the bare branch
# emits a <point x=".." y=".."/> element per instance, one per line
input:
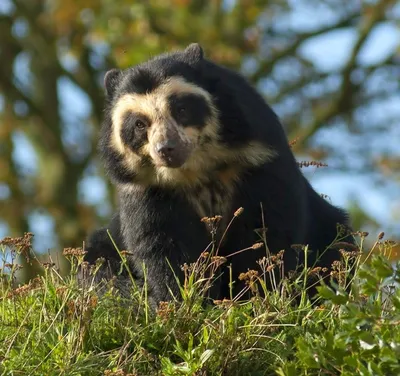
<point x="267" y="65"/>
<point x="342" y="103"/>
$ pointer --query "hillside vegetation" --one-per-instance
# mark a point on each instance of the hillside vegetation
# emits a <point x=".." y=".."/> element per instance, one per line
<point x="53" y="326"/>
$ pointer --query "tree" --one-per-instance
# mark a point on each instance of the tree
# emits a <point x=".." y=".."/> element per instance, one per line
<point x="54" y="55"/>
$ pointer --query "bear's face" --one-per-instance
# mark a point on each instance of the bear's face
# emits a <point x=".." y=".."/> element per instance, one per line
<point x="163" y="126"/>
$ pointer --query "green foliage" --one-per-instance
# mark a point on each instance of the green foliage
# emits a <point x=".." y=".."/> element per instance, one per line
<point x="54" y="55"/>
<point x="53" y="326"/>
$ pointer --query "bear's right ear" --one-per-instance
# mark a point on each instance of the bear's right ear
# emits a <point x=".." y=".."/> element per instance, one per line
<point x="194" y="53"/>
<point x="111" y="79"/>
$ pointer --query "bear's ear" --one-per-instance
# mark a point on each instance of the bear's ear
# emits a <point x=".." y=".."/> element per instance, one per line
<point x="111" y="79"/>
<point x="194" y="53"/>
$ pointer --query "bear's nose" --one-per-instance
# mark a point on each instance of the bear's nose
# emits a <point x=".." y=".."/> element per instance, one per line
<point x="166" y="148"/>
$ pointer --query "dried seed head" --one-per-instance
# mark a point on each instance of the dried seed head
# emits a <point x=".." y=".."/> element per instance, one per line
<point x="224" y="303"/>
<point x="74" y="252"/>
<point x="61" y="291"/>
<point x="185" y="267"/>
<point x="126" y="253"/>
<point x="19" y="244"/>
<point x="93" y="301"/>
<point x="35" y="283"/>
<point x="218" y="260"/>
<point x="316" y="270"/>
<point x="165" y="310"/>
<point x="48" y="265"/>
<point x="250" y="275"/>
<point x="270" y="268"/>
<point x="381" y="235"/>
<point x="297" y="247"/>
<point x="14" y="267"/>
<point x="293" y="142"/>
<point x="311" y="163"/>
<point x="238" y="212"/>
<point x="211" y="220"/>
<point x="118" y="372"/>
<point x="257" y="245"/>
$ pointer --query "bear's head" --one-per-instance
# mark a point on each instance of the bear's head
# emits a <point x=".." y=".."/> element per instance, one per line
<point x="163" y="124"/>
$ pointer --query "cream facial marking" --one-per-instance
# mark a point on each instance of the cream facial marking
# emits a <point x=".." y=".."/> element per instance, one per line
<point x="154" y="105"/>
<point x="201" y="150"/>
<point x="164" y="133"/>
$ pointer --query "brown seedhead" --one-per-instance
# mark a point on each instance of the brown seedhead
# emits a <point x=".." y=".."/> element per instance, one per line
<point x="381" y="235"/>
<point x="74" y="252"/>
<point x="165" y="310"/>
<point x="223" y="303"/>
<point x="297" y="247"/>
<point x="61" y="291"/>
<point x="211" y="220"/>
<point x="311" y="163"/>
<point x="270" y="268"/>
<point x="280" y="254"/>
<point x="48" y="265"/>
<point x="118" y="372"/>
<point x="20" y="245"/>
<point x="391" y="243"/>
<point x="85" y="265"/>
<point x="218" y="260"/>
<point x="293" y="142"/>
<point x="14" y="267"/>
<point x="238" y="212"/>
<point x="316" y="270"/>
<point x="250" y="275"/>
<point x="257" y="245"/>
<point x="348" y="247"/>
<point x="126" y="253"/>
<point x="93" y="302"/>
<point x="35" y="283"/>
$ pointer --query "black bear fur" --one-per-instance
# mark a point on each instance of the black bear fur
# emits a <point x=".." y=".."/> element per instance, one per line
<point x="155" y="223"/>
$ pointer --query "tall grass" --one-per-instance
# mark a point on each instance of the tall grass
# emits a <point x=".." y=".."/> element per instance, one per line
<point x="55" y="326"/>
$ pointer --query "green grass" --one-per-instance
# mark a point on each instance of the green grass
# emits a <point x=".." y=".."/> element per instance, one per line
<point x="52" y="326"/>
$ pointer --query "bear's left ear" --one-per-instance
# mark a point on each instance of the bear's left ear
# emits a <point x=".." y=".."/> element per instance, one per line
<point x="111" y="80"/>
<point x="194" y="53"/>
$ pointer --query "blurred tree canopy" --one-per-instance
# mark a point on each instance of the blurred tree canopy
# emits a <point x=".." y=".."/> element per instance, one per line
<point x="54" y="55"/>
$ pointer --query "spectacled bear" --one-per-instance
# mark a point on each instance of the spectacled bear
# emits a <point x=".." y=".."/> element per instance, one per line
<point x="184" y="138"/>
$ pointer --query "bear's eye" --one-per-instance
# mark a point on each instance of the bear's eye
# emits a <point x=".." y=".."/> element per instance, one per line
<point x="182" y="110"/>
<point x="139" y="124"/>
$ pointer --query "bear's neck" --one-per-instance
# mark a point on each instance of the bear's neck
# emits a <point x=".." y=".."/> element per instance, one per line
<point x="210" y="200"/>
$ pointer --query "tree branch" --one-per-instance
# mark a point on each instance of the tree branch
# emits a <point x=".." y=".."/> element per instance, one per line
<point x="342" y="103"/>
<point x="266" y="66"/>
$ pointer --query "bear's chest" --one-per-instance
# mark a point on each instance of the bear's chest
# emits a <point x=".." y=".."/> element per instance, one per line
<point x="212" y="200"/>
